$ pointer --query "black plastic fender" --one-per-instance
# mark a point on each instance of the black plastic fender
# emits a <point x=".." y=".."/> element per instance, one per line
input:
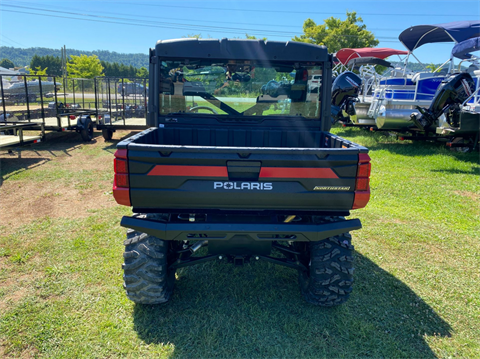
<point x="83" y="122"/>
<point x="85" y="127"/>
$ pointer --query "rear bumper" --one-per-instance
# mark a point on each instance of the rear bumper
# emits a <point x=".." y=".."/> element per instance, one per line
<point x="226" y="231"/>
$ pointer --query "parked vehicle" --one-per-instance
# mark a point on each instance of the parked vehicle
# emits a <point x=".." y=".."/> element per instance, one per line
<point x="231" y="171"/>
<point x="396" y="97"/>
<point x="17" y="90"/>
<point x="365" y="61"/>
<point x="455" y="110"/>
<point x="131" y="89"/>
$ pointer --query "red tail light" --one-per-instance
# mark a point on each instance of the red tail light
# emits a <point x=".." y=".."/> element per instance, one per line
<point x="121" y="180"/>
<point x="364" y="170"/>
<point x="72" y="117"/>
<point x="121" y="183"/>
<point x="362" y="183"/>
<point x="120" y="166"/>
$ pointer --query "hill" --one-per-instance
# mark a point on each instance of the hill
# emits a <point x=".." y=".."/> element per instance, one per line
<point x="22" y="57"/>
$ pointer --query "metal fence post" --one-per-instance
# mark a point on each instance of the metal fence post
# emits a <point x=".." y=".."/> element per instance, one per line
<point x="27" y="98"/>
<point x="3" y="99"/>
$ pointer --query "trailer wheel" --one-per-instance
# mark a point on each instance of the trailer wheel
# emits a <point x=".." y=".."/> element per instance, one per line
<point x="147" y="279"/>
<point x="87" y="131"/>
<point x="107" y="134"/>
<point x="329" y="277"/>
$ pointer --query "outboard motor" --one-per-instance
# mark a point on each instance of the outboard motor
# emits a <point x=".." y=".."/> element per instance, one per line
<point x="452" y="92"/>
<point x="345" y="90"/>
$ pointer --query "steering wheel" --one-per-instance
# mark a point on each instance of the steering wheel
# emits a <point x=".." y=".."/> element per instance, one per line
<point x="196" y="108"/>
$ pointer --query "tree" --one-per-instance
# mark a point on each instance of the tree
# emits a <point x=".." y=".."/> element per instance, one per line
<point x="6" y="63"/>
<point x="337" y="34"/>
<point x="433" y="67"/>
<point x="84" y="66"/>
<point x="39" y="72"/>
<point x="52" y="63"/>
<point x="253" y="37"/>
<point x="193" y="36"/>
<point x="142" y="72"/>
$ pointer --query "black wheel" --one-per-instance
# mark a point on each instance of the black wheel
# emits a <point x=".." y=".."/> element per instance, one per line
<point x="329" y="277"/>
<point x="147" y="278"/>
<point x="87" y="131"/>
<point x="107" y="134"/>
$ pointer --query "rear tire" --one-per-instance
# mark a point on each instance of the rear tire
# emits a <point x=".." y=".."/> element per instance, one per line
<point x="107" y="134"/>
<point x="329" y="277"/>
<point x="87" y="131"/>
<point x="147" y="278"/>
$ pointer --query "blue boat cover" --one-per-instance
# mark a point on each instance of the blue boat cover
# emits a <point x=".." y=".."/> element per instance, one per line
<point x="456" y="31"/>
<point x="462" y="49"/>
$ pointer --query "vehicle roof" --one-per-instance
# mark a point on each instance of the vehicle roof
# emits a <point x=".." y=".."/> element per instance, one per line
<point x="240" y="49"/>
<point x="456" y="31"/>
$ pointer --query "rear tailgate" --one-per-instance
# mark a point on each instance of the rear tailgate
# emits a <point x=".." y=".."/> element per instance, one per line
<point x="248" y="178"/>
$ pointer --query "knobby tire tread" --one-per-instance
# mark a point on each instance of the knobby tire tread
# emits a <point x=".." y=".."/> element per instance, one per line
<point x="147" y="279"/>
<point x="329" y="278"/>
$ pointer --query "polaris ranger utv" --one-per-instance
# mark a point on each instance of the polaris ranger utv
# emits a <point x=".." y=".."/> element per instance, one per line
<point x="239" y="160"/>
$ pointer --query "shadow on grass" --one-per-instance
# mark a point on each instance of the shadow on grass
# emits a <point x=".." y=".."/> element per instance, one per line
<point x="8" y="166"/>
<point x="30" y="156"/>
<point x="257" y="311"/>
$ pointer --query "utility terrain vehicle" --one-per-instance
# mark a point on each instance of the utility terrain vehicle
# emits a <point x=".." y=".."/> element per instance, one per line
<point x="239" y="160"/>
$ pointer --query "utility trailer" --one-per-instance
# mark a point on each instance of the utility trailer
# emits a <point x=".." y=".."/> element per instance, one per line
<point x="121" y="104"/>
<point x="11" y="134"/>
<point x="239" y="160"/>
<point x="106" y="104"/>
<point x="55" y="103"/>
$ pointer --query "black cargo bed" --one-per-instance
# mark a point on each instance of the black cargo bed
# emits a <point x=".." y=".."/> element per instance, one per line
<point x="240" y="169"/>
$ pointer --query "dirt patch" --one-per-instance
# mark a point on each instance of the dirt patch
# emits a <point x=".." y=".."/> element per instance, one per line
<point x="35" y="200"/>
<point x="30" y="352"/>
<point x="15" y="297"/>
<point x="16" y="289"/>
<point x="471" y="195"/>
<point x="3" y="262"/>
<point x="88" y="188"/>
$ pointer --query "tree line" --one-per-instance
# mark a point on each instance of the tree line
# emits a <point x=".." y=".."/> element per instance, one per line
<point x="82" y="66"/>
<point x="22" y="57"/>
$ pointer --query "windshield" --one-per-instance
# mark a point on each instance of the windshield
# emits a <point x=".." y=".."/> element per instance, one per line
<point x="240" y="89"/>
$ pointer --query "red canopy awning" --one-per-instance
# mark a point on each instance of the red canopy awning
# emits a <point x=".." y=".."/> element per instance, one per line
<point x="345" y="55"/>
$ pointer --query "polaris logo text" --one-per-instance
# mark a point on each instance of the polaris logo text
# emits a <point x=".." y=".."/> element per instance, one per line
<point x="251" y="186"/>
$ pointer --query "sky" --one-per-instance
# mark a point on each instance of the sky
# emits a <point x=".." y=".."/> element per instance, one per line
<point x="134" y="26"/>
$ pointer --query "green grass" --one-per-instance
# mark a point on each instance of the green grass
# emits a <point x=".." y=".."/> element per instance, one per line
<point x="416" y="292"/>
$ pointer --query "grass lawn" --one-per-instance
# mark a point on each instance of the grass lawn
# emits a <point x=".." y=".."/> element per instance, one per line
<point x="416" y="292"/>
